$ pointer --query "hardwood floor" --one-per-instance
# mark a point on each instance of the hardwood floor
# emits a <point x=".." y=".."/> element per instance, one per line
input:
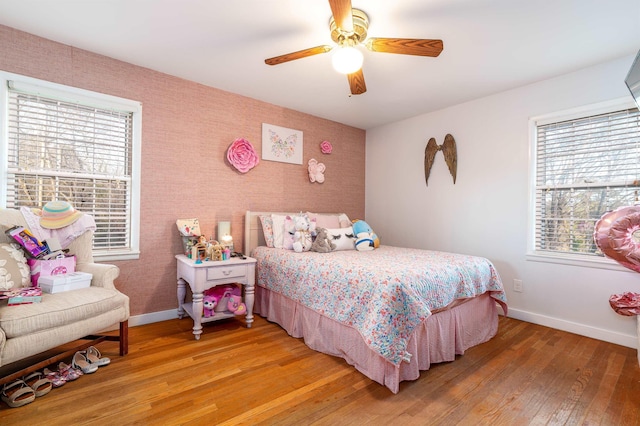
<point x="526" y="375"/>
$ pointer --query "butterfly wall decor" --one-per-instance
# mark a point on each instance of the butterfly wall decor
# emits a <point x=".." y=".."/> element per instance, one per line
<point x="281" y="144"/>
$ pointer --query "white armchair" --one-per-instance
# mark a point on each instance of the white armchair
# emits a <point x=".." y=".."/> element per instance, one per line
<point x="28" y="330"/>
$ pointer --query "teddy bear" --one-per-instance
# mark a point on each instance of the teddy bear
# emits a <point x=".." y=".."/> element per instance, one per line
<point x="302" y="236"/>
<point x="209" y="303"/>
<point x="322" y="243"/>
<point x="366" y="239"/>
<point x="215" y="250"/>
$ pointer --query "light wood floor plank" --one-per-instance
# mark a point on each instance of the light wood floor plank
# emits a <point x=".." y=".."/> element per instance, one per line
<point x="526" y="375"/>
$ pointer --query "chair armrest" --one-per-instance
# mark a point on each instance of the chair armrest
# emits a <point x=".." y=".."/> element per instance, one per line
<point x="103" y="274"/>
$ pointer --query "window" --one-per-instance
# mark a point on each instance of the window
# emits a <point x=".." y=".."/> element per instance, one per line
<point x="73" y="145"/>
<point x="586" y="163"/>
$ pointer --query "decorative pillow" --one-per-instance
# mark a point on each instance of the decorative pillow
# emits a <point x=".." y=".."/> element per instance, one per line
<point x="278" y="229"/>
<point x="267" y="228"/>
<point x="14" y="271"/>
<point x="325" y="220"/>
<point x="343" y="238"/>
<point x="345" y="222"/>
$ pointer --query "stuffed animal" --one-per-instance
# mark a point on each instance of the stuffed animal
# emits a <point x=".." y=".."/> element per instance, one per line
<point x="322" y="243"/>
<point x="302" y="236"/>
<point x="366" y="239"/>
<point x="209" y="303"/>
<point x="215" y="250"/>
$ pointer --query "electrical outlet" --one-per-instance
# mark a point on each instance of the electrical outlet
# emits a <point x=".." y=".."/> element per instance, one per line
<point x="517" y="285"/>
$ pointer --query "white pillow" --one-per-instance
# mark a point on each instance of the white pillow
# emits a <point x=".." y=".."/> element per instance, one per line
<point x="278" y="229"/>
<point x="343" y="238"/>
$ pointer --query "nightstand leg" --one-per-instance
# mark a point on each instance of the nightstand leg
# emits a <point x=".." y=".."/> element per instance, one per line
<point x="182" y="292"/>
<point x="248" y="301"/>
<point x="197" y="314"/>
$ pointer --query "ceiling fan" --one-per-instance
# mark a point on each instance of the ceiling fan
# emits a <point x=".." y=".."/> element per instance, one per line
<point x="349" y="29"/>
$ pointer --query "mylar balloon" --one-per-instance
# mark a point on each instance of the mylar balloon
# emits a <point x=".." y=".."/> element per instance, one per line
<point x="614" y="236"/>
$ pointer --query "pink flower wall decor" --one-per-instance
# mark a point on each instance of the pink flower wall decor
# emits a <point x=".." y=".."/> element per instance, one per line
<point x="325" y="147"/>
<point x="242" y="156"/>
<point x="316" y="171"/>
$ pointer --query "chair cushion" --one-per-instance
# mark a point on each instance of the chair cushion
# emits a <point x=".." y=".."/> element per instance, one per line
<point x="59" y="309"/>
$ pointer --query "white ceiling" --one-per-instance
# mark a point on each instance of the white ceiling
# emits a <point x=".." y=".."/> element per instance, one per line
<point x="489" y="46"/>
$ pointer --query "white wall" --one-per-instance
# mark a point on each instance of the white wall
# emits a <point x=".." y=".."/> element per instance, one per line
<point x="486" y="212"/>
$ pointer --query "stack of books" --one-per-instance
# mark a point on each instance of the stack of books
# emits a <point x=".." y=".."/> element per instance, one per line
<point x="22" y="296"/>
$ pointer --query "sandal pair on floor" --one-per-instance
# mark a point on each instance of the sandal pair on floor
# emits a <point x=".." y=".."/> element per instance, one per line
<point x="24" y="391"/>
<point x="64" y="374"/>
<point x="88" y="361"/>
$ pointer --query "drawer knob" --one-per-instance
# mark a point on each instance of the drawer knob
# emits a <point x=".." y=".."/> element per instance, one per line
<point x="227" y="272"/>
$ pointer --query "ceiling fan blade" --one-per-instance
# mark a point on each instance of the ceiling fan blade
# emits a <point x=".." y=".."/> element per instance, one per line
<point x="341" y="10"/>
<point x="406" y="46"/>
<point x="298" y="55"/>
<point x="356" y="82"/>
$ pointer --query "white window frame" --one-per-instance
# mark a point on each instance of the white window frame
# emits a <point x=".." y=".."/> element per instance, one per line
<point x="84" y="97"/>
<point x="573" y="259"/>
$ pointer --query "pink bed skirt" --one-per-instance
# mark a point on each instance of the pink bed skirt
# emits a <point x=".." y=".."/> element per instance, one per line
<point x="440" y="338"/>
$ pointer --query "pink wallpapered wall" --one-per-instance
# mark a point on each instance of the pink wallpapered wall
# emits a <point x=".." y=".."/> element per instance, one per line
<point x="186" y="129"/>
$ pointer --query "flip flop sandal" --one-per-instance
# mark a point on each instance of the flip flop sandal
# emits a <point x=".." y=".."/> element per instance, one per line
<point x="17" y="393"/>
<point x="56" y="378"/>
<point x="68" y="372"/>
<point x="39" y="383"/>
<point x="79" y="361"/>
<point x="95" y="357"/>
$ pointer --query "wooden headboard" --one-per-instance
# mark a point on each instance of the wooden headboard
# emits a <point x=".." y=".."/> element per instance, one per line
<point x="253" y="236"/>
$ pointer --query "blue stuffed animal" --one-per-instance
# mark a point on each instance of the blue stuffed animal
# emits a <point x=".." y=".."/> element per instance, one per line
<point x="366" y="239"/>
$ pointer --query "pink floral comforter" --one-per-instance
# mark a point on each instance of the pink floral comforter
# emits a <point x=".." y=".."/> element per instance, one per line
<point x="384" y="294"/>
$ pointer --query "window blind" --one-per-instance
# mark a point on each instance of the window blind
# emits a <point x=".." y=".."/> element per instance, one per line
<point x="76" y="153"/>
<point x="584" y="167"/>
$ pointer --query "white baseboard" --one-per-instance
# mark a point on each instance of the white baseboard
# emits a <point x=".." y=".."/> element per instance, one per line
<point x="153" y="317"/>
<point x="628" y="340"/>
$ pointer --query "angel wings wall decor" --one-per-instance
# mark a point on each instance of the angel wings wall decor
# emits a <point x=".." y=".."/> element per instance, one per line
<point x="448" y="149"/>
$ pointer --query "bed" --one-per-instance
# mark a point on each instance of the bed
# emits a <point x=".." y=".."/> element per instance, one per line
<point x="390" y="312"/>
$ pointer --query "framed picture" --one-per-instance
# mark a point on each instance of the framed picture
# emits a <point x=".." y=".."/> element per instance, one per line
<point x="281" y="144"/>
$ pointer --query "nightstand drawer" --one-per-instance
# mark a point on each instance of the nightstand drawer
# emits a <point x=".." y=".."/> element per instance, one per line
<point x="226" y="272"/>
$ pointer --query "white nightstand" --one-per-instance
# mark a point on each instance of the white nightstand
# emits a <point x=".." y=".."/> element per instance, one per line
<point x="202" y="276"/>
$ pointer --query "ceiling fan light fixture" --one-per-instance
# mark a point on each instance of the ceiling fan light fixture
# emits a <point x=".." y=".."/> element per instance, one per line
<point x="347" y="59"/>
